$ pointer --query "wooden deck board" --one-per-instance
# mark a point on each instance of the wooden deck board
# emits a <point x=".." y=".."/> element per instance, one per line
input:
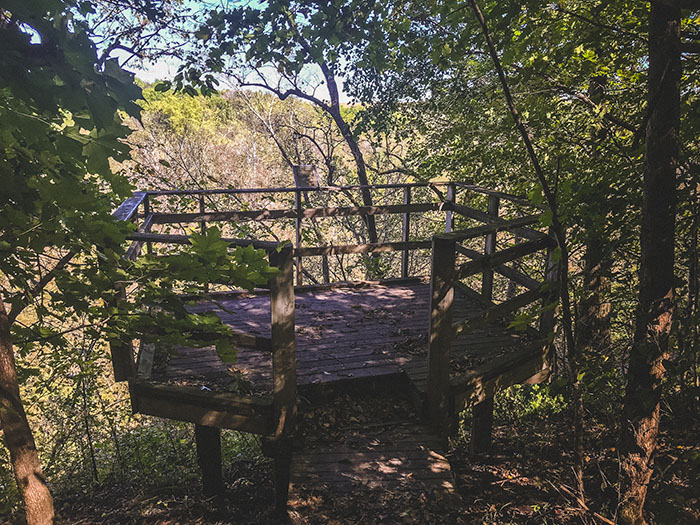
<point x="408" y="456"/>
<point x="341" y="333"/>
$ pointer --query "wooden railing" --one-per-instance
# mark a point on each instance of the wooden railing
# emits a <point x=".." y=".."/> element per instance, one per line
<point x="145" y="209"/>
<point x="446" y="274"/>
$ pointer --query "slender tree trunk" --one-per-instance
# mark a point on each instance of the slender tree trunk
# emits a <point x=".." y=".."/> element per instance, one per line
<point x="645" y="373"/>
<point x="346" y="132"/>
<point x="18" y="436"/>
<point x="593" y="323"/>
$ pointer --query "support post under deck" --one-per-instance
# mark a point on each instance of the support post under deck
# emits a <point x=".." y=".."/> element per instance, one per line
<point x="482" y="413"/>
<point x="208" y="441"/>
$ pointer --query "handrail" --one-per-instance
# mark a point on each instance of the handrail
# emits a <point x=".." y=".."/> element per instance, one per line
<point x="517" y="199"/>
<point x="224" y="191"/>
<point x="185" y="239"/>
<point x="287" y="213"/>
<point x="128" y="209"/>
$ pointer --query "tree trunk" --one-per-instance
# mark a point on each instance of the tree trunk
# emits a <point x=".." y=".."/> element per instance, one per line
<point x="18" y="436"/>
<point x="593" y="323"/>
<point x="645" y="373"/>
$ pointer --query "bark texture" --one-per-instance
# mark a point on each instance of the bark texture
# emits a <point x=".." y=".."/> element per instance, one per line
<point x="640" y="426"/>
<point x="18" y="435"/>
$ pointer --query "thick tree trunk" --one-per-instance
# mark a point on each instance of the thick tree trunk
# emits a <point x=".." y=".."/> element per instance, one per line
<point x="18" y="436"/>
<point x="645" y="373"/>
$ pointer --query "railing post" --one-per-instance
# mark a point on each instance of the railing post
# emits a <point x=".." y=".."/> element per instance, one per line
<point x="405" y="231"/>
<point x="297" y="225"/>
<point x="202" y="224"/>
<point x="482" y="413"/>
<point x="146" y="213"/>
<point x="203" y="229"/>
<point x="440" y="407"/>
<point x="284" y="371"/>
<point x="122" y="348"/>
<point x="449" y="214"/>
<point x="489" y="249"/>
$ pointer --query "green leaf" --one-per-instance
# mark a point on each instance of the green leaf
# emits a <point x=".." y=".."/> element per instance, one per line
<point x="226" y="351"/>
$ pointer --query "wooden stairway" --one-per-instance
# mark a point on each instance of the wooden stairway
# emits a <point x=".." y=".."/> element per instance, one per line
<point x="369" y="445"/>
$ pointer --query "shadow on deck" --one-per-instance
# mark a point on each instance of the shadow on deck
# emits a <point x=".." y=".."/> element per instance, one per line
<point x="342" y="333"/>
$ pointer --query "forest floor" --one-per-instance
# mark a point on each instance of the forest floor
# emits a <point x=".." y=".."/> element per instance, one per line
<point x="526" y="478"/>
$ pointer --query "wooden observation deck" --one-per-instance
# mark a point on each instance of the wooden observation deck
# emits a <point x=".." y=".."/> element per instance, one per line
<point x="438" y="326"/>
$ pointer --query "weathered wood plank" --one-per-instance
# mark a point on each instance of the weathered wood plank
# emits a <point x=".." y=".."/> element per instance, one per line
<point x="283" y="342"/>
<point x="482" y="216"/>
<point x="208" y="443"/>
<point x="121" y="349"/>
<point x="234" y="191"/>
<point x="144" y="364"/>
<point x="307" y="213"/>
<point x="405" y="231"/>
<point x="441" y="332"/>
<point x="362" y="248"/>
<point x="486" y="379"/>
<point x="507" y="255"/>
<point x="521" y="201"/>
<point x="490" y="249"/>
<point x="129" y="208"/>
<point x="498" y="311"/>
<point x="185" y="405"/>
<point x="485" y="229"/>
<point x="506" y="271"/>
<point x="184" y="239"/>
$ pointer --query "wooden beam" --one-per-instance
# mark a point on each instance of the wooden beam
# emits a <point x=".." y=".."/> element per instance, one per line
<point x="283" y="340"/>
<point x="129" y="208"/>
<point x="497" y="311"/>
<point x="506" y="271"/>
<point x="490" y="249"/>
<point x="121" y="349"/>
<point x="284" y="373"/>
<point x="184" y="239"/>
<point x="441" y="333"/>
<point x="208" y="442"/>
<point x="218" y="216"/>
<point x="450" y="199"/>
<point x="479" y="215"/>
<point x="405" y="231"/>
<point x="213" y="409"/>
<point x="135" y="248"/>
<point x="482" y="425"/>
<point x="144" y="362"/>
<point x="504" y="256"/>
<point x="297" y="231"/>
<point x="501" y="225"/>
<point x="308" y="213"/>
<point x="363" y="248"/>
<point x="482" y="413"/>
<point x="484" y="381"/>
<point x="521" y="201"/>
<point x="290" y="190"/>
